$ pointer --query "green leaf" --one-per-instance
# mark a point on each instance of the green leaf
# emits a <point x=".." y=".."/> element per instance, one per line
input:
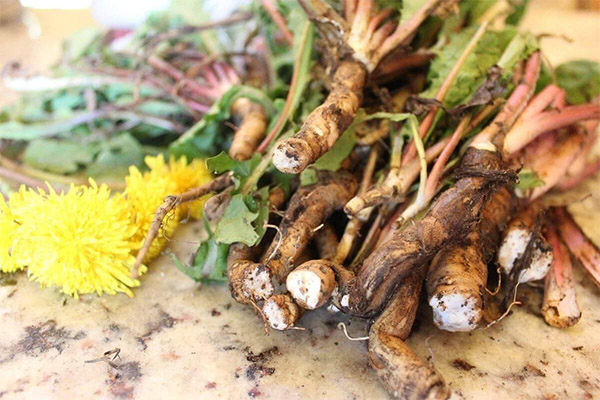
<point x="116" y="156"/>
<point x="260" y="205"/>
<point x="528" y="179"/>
<point x="17" y="131"/>
<point x="308" y="177"/>
<point x="332" y="160"/>
<point x="519" y="8"/>
<point x="236" y="225"/>
<point x="209" y="263"/>
<point x="160" y="108"/>
<point x="223" y="162"/>
<point x="580" y="79"/>
<point x="61" y="157"/>
<point x="487" y="52"/>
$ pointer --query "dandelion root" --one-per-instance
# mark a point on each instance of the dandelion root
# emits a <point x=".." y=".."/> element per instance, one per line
<point x="249" y="281"/>
<point x="281" y="312"/>
<point x="312" y="283"/>
<point x="400" y="370"/>
<point x="326" y="123"/>
<point x="251" y="130"/>
<point x="308" y="208"/>
<point x="458" y="274"/>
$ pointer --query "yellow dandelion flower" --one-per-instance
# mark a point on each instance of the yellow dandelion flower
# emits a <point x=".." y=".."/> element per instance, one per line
<point x="145" y="193"/>
<point x="8" y="227"/>
<point x="185" y="176"/>
<point x="80" y="241"/>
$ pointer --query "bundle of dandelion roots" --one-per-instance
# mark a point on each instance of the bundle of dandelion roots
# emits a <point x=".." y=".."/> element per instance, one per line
<point x="367" y="237"/>
<point x="427" y="167"/>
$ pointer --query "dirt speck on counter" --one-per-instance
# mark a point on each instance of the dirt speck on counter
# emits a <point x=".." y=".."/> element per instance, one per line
<point x="461" y="364"/>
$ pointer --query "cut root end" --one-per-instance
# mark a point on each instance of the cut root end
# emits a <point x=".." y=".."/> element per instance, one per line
<point x="281" y="312"/>
<point x="456" y="312"/>
<point x="312" y="284"/>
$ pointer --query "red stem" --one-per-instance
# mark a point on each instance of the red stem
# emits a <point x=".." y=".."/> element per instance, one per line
<point x="513" y="106"/>
<point x="279" y="21"/>
<point x="581" y="247"/>
<point x="438" y="167"/>
<point x="588" y="170"/>
<point x="561" y="263"/>
<point x="527" y="130"/>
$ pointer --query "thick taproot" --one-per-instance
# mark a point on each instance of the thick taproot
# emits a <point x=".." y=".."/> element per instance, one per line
<point x="326" y="123"/>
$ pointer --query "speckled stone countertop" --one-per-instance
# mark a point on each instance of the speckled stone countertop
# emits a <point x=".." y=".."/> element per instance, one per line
<point x="178" y="339"/>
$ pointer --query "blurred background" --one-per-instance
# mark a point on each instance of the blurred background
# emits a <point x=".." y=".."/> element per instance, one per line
<point x="31" y="31"/>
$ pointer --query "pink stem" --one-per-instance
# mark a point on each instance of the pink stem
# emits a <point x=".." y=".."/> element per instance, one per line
<point x="210" y="77"/>
<point x="409" y="27"/>
<point x="363" y="15"/>
<point x="380" y="34"/>
<point x="165" y="67"/>
<point x="438" y="167"/>
<point x="552" y="166"/>
<point x="376" y="20"/>
<point x="350" y="10"/>
<point x="526" y="130"/>
<point x="279" y="21"/>
<point x="581" y="247"/>
<point x="541" y="101"/>
<point x="579" y="164"/>
<point x="514" y="105"/>
<point x="202" y="108"/>
<point x="561" y="263"/>
<point x="589" y="170"/>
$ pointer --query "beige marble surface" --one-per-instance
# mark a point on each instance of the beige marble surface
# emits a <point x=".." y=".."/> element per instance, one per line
<point x="181" y="340"/>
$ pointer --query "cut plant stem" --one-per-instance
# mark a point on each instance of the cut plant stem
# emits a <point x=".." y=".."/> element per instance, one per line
<point x="560" y="308"/>
<point x="169" y="204"/>
<point x="582" y="248"/>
